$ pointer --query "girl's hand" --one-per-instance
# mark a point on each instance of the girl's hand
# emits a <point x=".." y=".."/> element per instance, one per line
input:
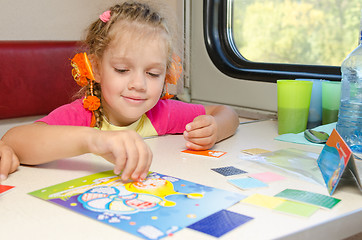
<point x="201" y="133"/>
<point x="126" y="150"/>
<point x="9" y="162"/>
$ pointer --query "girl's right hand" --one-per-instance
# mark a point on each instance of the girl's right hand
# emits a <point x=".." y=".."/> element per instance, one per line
<point x="9" y="162"/>
<point x="125" y="149"/>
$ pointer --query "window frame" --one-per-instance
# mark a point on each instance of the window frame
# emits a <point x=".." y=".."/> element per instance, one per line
<point x="226" y="57"/>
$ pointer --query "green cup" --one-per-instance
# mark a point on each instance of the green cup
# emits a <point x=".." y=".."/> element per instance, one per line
<point x="331" y="97"/>
<point x="293" y="105"/>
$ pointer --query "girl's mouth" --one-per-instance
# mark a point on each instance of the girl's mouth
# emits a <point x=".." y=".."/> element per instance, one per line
<point x="134" y="99"/>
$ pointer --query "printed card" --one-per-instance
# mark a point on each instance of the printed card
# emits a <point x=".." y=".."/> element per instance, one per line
<point x="207" y="153"/>
<point x="336" y="160"/>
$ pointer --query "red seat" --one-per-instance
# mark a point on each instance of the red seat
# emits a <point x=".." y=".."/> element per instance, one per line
<point x="35" y="76"/>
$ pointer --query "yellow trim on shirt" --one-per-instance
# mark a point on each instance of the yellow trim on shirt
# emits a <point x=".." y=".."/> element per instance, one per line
<point x="142" y="126"/>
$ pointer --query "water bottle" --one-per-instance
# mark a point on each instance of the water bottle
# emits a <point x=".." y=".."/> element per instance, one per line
<point x="349" y="124"/>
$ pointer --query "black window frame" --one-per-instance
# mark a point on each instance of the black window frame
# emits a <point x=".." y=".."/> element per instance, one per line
<point x="225" y="56"/>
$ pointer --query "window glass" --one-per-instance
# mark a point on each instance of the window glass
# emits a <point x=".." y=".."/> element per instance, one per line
<point x="296" y="31"/>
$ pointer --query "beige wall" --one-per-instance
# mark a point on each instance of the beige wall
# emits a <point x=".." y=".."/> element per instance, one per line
<point x="50" y="19"/>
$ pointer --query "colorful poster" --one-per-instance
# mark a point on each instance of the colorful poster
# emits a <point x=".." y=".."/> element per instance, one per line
<point x="152" y="209"/>
<point x="335" y="160"/>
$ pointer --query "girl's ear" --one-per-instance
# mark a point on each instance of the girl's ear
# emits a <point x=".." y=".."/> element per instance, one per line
<point x="95" y="67"/>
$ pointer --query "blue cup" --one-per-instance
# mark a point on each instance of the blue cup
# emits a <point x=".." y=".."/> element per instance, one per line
<point x="315" y="108"/>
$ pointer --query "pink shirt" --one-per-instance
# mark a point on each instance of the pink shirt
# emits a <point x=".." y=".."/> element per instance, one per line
<point x="167" y="116"/>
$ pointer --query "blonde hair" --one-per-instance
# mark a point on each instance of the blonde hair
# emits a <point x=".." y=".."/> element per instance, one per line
<point x="100" y="35"/>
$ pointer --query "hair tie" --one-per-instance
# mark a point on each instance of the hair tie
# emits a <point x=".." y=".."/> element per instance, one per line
<point x="104" y="17"/>
<point x="83" y="75"/>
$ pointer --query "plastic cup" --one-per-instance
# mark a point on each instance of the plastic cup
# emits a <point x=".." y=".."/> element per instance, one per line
<point x="331" y="97"/>
<point x="293" y="105"/>
<point x="315" y="108"/>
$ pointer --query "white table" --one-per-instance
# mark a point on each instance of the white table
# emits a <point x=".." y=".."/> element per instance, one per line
<point x="26" y="217"/>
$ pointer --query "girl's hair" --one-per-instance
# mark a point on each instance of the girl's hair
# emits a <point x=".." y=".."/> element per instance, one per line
<point x="100" y="35"/>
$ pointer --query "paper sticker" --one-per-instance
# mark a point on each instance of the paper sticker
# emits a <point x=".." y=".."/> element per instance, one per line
<point x="207" y="153"/>
<point x="5" y="188"/>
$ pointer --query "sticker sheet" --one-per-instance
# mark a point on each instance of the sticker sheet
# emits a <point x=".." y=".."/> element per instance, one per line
<point x="152" y="209"/>
<point x="281" y="205"/>
<point x="220" y="223"/>
<point x="309" y="197"/>
<point x="228" y="171"/>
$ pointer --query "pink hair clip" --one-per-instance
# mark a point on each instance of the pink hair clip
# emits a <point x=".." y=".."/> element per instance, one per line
<point x="104" y="17"/>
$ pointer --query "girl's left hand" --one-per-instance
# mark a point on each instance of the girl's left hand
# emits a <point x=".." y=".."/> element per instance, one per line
<point x="201" y="133"/>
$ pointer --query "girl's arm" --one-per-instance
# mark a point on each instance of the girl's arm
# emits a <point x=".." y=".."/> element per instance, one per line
<point x="38" y="143"/>
<point x="204" y="131"/>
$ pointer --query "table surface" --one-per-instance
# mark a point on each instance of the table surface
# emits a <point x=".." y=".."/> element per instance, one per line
<point x="24" y="216"/>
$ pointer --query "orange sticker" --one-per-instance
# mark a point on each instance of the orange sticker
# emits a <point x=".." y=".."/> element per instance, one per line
<point x="207" y="153"/>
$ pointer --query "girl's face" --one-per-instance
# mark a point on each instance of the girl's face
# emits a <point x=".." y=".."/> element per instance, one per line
<point x="131" y="73"/>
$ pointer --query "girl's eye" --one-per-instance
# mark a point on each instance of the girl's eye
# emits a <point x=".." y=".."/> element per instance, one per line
<point x="155" y="75"/>
<point x="120" y="70"/>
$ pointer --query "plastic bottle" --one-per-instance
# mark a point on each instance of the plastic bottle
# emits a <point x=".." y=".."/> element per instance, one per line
<point x="349" y="124"/>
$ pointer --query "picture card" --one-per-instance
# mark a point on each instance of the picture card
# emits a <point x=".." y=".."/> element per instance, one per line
<point x="309" y="197"/>
<point x="5" y="188"/>
<point x="247" y="183"/>
<point x="220" y="223"/>
<point x="152" y="209"/>
<point x="207" y="153"/>
<point x="336" y="160"/>
<point x="228" y="171"/>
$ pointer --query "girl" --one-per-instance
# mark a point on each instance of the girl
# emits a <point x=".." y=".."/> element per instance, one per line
<point x="131" y="54"/>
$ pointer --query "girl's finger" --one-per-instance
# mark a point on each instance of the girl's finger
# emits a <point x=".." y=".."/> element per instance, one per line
<point x="5" y="164"/>
<point x="132" y="160"/>
<point x="15" y="164"/>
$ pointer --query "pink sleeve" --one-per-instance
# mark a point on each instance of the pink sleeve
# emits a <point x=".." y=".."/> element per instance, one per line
<point x="72" y="114"/>
<point x="171" y="116"/>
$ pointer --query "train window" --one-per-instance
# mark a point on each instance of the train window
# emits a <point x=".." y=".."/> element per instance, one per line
<point x="272" y="39"/>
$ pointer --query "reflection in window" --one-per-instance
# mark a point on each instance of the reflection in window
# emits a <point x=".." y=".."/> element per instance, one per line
<point x="296" y="31"/>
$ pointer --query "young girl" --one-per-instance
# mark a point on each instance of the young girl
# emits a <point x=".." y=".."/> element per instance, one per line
<point x="132" y="56"/>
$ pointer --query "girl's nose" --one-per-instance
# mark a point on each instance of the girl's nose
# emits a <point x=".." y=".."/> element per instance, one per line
<point x="138" y="82"/>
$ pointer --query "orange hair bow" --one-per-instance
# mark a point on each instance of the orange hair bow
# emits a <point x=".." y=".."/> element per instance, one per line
<point x="82" y="69"/>
<point x="83" y="75"/>
<point x="173" y="75"/>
